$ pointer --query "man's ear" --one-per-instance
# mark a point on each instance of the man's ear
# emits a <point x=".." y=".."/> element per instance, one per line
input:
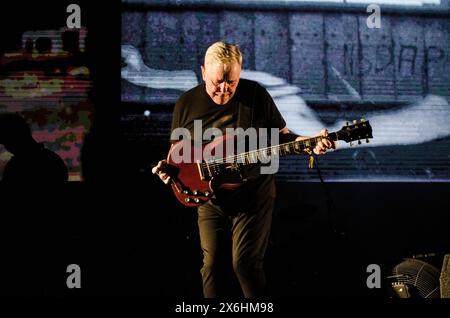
<point x="203" y="72"/>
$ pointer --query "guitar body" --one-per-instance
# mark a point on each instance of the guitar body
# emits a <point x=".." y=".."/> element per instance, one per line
<point x="190" y="185"/>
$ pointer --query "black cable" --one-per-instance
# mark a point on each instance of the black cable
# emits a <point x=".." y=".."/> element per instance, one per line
<point x="331" y="208"/>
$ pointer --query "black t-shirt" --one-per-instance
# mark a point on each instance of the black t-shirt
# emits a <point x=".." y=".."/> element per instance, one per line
<point x="251" y="106"/>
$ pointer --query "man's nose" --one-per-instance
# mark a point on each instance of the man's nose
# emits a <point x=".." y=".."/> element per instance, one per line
<point x="223" y="87"/>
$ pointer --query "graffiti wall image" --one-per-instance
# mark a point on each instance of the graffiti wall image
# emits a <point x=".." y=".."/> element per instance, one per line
<point x="322" y="69"/>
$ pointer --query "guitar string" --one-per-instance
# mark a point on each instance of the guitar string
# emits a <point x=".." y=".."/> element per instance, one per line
<point x="278" y="148"/>
<point x="287" y="146"/>
<point x="241" y="158"/>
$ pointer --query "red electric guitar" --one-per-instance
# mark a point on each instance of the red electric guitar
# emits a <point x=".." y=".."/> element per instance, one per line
<point x="194" y="181"/>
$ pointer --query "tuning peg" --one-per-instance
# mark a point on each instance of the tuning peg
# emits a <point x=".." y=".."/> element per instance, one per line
<point x="359" y="141"/>
<point x="351" y="144"/>
<point x="346" y="123"/>
<point x="355" y="121"/>
<point x="367" y="140"/>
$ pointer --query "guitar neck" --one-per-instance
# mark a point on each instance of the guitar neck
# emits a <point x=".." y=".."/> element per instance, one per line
<point x="293" y="147"/>
<point x="298" y="146"/>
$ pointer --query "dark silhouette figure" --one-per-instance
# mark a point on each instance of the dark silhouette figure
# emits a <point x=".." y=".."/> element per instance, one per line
<point x="32" y="165"/>
<point x="32" y="214"/>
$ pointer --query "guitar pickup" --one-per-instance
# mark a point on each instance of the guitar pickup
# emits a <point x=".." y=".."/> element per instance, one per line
<point x="200" y="170"/>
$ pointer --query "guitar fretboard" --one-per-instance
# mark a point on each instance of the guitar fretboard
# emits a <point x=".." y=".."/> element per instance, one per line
<point x="265" y="154"/>
<point x="357" y="131"/>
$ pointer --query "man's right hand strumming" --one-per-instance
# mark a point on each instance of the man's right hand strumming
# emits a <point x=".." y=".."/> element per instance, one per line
<point x="159" y="170"/>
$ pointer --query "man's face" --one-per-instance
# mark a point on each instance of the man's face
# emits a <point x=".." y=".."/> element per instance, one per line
<point x="221" y="81"/>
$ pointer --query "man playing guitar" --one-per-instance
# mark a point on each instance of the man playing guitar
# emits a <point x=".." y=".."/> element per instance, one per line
<point x="243" y="215"/>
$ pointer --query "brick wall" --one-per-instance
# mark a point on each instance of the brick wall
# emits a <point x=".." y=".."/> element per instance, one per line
<point x="408" y="56"/>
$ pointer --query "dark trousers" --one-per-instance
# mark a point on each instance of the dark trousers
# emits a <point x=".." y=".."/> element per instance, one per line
<point x="248" y="230"/>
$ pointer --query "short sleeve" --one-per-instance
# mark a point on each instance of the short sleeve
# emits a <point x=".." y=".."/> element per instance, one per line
<point x="176" y="117"/>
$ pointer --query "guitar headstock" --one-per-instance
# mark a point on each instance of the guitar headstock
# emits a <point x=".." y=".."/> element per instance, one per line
<point x="358" y="130"/>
